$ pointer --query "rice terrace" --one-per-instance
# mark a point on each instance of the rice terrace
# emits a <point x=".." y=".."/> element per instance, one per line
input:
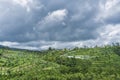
<point x="98" y="63"/>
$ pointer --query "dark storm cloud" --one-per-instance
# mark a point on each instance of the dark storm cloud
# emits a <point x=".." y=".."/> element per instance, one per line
<point x="27" y="21"/>
<point x="17" y="23"/>
<point x="79" y="22"/>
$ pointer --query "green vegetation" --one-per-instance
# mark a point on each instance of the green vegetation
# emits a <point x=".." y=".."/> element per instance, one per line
<point x="98" y="63"/>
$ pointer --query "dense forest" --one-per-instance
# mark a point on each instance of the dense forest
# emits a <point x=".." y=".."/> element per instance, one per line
<point x="86" y="63"/>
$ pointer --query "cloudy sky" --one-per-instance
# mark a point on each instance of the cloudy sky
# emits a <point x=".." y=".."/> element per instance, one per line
<point x="39" y="24"/>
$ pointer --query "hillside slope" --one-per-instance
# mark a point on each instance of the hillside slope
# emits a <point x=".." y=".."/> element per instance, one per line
<point x="98" y="63"/>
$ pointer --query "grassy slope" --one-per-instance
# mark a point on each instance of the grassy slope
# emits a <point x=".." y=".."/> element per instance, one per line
<point x="102" y="63"/>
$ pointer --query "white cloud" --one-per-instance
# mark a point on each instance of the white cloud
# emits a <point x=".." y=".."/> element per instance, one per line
<point x="110" y="33"/>
<point x="108" y="9"/>
<point x="29" y="4"/>
<point x="110" y="3"/>
<point x="55" y="16"/>
<point x="23" y="3"/>
<point x="7" y="43"/>
<point x="52" y="19"/>
<point x="42" y="45"/>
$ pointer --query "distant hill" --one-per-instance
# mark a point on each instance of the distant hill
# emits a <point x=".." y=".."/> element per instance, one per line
<point x="1" y="46"/>
<point x="17" y="49"/>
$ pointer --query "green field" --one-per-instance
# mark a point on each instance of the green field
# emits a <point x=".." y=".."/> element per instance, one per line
<point x="98" y="63"/>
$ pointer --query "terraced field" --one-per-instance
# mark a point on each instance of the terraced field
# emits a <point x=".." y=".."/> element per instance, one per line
<point x="99" y="63"/>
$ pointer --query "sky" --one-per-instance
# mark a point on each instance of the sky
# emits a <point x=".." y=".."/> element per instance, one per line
<point x="40" y="24"/>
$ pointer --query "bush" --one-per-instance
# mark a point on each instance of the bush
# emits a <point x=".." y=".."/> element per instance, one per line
<point x="116" y="48"/>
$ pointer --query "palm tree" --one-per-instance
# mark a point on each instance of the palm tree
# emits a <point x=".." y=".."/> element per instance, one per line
<point x="1" y="52"/>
